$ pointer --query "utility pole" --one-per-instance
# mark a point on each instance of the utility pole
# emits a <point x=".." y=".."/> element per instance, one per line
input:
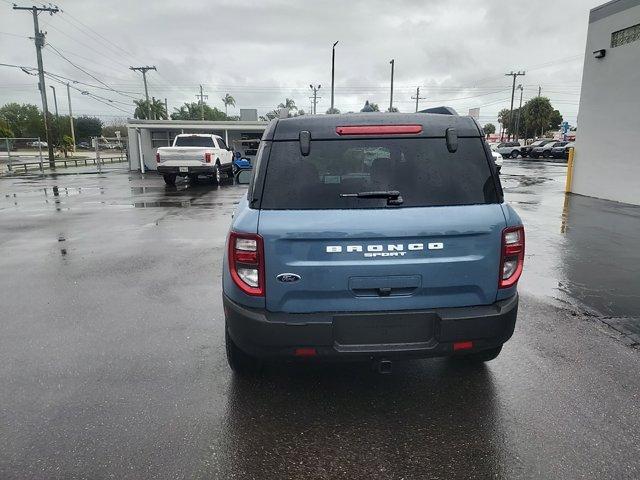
<point x="333" y="71"/>
<point x="144" y="71"/>
<point x="201" y="98"/>
<point x="417" y="98"/>
<point x="166" y="108"/>
<point x="55" y="102"/>
<point x="73" y="133"/>
<point x="39" y="41"/>
<point x="513" y="93"/>
<point x="521" y="88"/>
<point x="153" y="113"/>
<point x="315" y="97"/>
<point x="392" y="62"/>
<point x="539" y="90"/>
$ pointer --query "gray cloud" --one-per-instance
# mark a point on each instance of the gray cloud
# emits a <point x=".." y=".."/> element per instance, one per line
<point x="262" y="52"/>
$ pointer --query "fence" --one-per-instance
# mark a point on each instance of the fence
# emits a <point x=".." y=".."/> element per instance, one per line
<point x="22" y="155"/>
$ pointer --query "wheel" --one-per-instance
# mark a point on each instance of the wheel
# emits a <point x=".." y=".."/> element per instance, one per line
<point x="515" y="154"/>
<point x="170" y="179"/>
<point x="240" y="362"/>
<point x="218" y="176"/>
<point x="479" y="357"/>
<point x="546" y="155"/>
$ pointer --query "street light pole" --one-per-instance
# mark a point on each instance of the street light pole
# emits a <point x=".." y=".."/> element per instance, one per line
<point x="73" y="133"/>
<point x="333" y="70"/>
<point x="55" y="102"/>
<point x="315" y="97"/>
<point x="392" y="62"/>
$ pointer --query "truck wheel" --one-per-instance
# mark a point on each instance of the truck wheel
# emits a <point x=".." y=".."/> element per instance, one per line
<point x="240" y="362"/>
<point x="169" y="179"/>
<point x="515" y="154"/>
<point x="479" y="357"/>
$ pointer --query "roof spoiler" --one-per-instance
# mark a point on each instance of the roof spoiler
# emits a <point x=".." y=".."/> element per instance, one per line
<point x="440" y="111"/>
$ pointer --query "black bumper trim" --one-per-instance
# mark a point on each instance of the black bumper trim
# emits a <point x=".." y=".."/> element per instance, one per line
<point x="163" y="170"/>
<point x="267" y="334"/>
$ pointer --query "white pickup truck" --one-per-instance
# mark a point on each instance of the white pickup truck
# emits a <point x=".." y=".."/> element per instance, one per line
<point x="195" y="154"/>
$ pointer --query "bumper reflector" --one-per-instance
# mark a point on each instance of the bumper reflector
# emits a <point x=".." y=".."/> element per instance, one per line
<point x="305" y="352"/>
<point x="462" y="346"/>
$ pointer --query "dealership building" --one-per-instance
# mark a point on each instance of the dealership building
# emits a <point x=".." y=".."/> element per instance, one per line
<point x="145" y="136"/>
<point x="607" y="158"/>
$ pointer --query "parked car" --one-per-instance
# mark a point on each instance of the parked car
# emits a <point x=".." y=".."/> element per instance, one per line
<point x="193" y="155"/>
<point x="84" y="146"/>
<point x="561" y="151"/>
<point x="509" y="149"/>
<point x="333" y="254"/>
<point x="543" y="149"/>
<point x="525" y="151"/>
<point x="498" y="160"/>
<point x="38" y="144"/>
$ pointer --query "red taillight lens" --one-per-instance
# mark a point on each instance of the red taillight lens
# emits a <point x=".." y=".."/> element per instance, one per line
<point x="379" y="129"/>
<point x="158" y="157"/>
<point x="246" y="262"/>
<point x="512" y="256"/>
<point x="207" y="157"/>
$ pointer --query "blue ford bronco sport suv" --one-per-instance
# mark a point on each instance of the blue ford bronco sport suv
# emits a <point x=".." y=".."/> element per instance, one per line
<point x="371" y="236"/>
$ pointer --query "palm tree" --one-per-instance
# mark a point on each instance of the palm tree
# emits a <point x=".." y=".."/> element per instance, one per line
<point x="155" y="107"/>
<point x="289" y="104"/>
<point x="228" y="100"/>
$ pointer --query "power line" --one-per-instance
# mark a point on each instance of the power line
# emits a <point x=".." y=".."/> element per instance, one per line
<point x="87" y="73"/>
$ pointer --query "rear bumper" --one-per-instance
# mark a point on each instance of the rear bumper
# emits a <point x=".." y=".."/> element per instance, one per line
<point x="271" y="335"/>
<point x="175" y="170"/>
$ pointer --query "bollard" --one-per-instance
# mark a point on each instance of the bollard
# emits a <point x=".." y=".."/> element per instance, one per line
<point x="567" y="187"/>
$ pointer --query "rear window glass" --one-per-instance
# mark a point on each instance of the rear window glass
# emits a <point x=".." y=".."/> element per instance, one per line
<point x="194" y="141"/>
<point x="422" y="170"/>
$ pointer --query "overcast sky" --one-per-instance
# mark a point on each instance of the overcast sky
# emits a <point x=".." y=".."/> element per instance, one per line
<point x="264" y="51"/>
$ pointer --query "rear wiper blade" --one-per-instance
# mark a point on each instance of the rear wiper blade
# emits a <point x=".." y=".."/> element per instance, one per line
<point x="393" y="196"/>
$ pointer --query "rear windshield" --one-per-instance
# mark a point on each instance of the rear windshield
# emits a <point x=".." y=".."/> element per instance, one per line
<point x="421" y="169"/>
<point x="194" y="141"/>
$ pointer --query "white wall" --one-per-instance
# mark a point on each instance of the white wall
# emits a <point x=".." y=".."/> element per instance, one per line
<point x="607" y="155"/>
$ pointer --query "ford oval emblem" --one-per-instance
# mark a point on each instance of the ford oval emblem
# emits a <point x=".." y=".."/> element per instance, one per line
<point x="288" y="277"/>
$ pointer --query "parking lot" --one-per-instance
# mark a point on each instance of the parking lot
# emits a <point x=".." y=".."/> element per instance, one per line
<point x="112" y="359"/>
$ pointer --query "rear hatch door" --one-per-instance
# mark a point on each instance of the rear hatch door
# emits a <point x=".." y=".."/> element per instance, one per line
<point x="438" y="247"/>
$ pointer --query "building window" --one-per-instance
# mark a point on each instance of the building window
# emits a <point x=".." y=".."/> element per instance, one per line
<point x="626" y="35"/>
<point x="159" y="139"/>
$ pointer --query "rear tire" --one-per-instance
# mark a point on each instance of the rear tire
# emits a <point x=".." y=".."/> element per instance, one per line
<point x="217" y="177"/>
<point x="479" y="357"/>
<point x="169" y="179"/>
<point x="240" y="362"/>
<point x="515" y="154"/>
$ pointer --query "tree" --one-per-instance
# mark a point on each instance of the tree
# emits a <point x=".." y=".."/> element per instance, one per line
<point x="228" y="100"/>
<point x="301" y="112"/>
<point x="555" y="121"/>
<point x="143" y="107"/>
<point x="87" y="127"/>
<point x="374" y="106"/>
<point x="393" y="110"/>
<point x="289" y="104"/>
<point x="5" y="130"/>
<point x="333" y="111"/>
<point x="24" y="120"/>
<point x="489" y="129"/>
<point x="109" y="131"/>
<point x="537" y="115"/>
<point x="192" y="111"/>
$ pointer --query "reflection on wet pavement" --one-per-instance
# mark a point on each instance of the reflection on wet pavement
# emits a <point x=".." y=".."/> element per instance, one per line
<point x="581" y="251"/>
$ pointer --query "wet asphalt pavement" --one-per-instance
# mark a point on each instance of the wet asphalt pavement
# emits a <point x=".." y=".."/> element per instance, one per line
<point x="112" y="359"/>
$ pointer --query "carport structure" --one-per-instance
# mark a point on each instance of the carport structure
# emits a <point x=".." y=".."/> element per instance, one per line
<point x="146" y="136"/>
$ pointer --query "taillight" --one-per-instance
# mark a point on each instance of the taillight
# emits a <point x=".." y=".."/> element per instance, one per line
<point x="246" y="262"/>
<point x="158" y="157"/>
<point x="512" y="256"/>
<point x="207" y="157"/>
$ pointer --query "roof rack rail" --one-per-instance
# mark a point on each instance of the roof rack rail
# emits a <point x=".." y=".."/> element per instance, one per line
<point x="440" y="110"/>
